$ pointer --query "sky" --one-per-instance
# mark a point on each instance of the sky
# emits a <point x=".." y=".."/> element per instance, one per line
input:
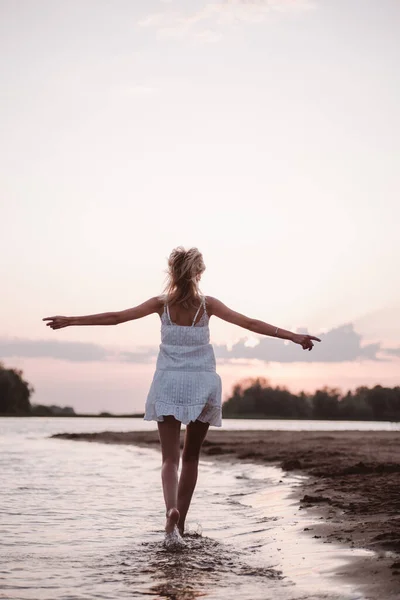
<point x="264" y="132"/>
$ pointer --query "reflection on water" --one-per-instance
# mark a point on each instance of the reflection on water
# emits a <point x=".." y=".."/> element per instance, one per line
<point x="84" y="521"/>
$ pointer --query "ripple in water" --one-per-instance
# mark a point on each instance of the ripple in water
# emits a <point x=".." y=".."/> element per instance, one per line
<point x="194" y="571"/>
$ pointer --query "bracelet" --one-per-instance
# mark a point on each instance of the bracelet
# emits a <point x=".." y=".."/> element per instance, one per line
<point x="276" y="331"/>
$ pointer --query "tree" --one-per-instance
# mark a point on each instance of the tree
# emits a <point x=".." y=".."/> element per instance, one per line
<point x="15" y="392"/>
<point x="325" y="403"/>
<point x="256" y="398"/>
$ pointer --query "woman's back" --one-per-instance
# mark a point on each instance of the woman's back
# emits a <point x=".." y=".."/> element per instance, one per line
<point x="179" y="316"/>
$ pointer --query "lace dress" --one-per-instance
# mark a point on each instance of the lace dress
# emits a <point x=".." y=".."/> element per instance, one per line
<point x="185" y="383"/>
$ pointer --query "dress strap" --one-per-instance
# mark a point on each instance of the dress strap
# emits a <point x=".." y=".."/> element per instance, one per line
<point x="198" y="310"/>
<point x="166" y="309"/>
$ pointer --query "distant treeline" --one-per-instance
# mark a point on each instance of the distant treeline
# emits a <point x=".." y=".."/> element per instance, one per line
<point x="257" y="399"/>
<point x="15" y="394"/>
<point x="251" y="399"/>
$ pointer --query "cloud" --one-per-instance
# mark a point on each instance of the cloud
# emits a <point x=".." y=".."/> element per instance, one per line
<point x="392" y="351"/>
<point x="342" y="344"/>
<point x="73" y="351"/>
<point x="206" y="23"/>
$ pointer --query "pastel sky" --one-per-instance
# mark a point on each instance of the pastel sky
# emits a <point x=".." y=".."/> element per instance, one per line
<point x="264" y="132"/>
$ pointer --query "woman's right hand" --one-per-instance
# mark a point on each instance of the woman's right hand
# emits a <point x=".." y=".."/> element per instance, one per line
<point x="58" y="322"/>
<point x="304" y="340"/>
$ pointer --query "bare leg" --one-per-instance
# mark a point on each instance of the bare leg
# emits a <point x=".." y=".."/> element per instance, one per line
<point x="196" y="432"/>
<point x="169" y="433"/>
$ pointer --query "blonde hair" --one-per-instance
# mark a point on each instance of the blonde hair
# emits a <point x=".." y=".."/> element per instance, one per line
<point x="184" y="266"/>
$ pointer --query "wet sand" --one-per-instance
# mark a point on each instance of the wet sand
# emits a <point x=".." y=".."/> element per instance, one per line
<point x="352" y="486"/>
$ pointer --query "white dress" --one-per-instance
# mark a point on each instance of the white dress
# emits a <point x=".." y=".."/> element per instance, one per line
<point x="185" y="383"/>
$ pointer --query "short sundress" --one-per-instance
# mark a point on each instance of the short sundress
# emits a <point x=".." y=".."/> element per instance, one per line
<point x="185" y="383"/>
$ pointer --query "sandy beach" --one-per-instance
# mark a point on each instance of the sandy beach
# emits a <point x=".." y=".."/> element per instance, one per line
<point x="353" y="483"/>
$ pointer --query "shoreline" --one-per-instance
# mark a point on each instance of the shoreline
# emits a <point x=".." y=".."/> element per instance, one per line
<point x="352" y="485"/>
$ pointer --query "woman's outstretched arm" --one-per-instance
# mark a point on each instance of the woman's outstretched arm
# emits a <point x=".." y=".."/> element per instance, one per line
<point x="217" y="308"/>
<point x="108" y="318"/>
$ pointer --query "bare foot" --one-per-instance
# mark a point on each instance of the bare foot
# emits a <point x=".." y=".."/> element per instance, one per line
<point x="172" y="520"/>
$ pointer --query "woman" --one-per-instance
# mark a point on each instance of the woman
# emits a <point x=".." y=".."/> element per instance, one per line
<point x="185" y="387"/>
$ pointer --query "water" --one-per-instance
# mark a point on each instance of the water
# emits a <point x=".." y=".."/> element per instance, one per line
<point x="85" y="521"/>
<point x="48" y="425"/>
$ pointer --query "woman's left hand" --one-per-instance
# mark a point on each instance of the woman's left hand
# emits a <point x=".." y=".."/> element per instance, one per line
<point x="304" y="340"/>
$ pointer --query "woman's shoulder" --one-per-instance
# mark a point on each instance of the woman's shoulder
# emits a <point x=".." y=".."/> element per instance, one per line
<point x="209" y="303"/>
<point x="160" y="301"/>
<point x="214" y="306"/>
